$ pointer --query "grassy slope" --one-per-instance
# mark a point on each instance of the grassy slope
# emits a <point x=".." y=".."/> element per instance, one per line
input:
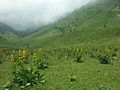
<point x="7" y="35"/>
<point x="96" y="23"/>
<point x="90" y="75"/>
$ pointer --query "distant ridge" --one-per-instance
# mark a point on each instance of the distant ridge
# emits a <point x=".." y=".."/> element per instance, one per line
<point x="7" y="34"/>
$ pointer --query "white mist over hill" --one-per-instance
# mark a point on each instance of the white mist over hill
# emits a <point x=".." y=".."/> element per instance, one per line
<point x="23" y="14"/>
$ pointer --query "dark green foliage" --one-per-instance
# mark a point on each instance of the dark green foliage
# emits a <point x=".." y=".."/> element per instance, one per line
<point x="60" y="29"/>
<point x="115" y="49"/>
<point x="79" y="58"/>
<point x="8" y="86"/>
<point x="104" y="59"/>
<point x="2" y="56"/>
<point x="24" y="77"/>
<point x="0" y="61"/>
<point x="42" y="64"/>
<point x="114" y="54"/>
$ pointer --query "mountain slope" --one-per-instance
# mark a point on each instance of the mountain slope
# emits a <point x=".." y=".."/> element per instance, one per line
<point x="7" y="35"/>
<point x="96" y="23"/>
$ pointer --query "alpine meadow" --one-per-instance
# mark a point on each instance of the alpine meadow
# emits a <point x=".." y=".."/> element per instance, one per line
<point x="79" y="50"/>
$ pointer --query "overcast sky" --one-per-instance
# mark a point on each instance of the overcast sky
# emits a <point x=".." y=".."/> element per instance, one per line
<point x="23" y="14"/>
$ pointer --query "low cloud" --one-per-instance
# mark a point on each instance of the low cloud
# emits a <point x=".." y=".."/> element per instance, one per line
<point x="23" y="14"/>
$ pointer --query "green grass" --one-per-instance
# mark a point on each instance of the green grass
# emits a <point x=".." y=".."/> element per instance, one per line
<point x="97" y="22"/>
<point x="5" y="73"/>
<point x="90" y="75"/>
<point x="8" y="35"/>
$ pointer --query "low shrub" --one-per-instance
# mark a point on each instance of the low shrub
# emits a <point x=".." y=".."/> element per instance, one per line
<point x="104" y="59"/>
<point x="24" y="76"/>
<point x="78" y="58"/>
<point x="42" y="64"/>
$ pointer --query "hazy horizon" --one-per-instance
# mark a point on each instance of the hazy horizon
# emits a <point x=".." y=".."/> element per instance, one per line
<point x="24" y="14"/>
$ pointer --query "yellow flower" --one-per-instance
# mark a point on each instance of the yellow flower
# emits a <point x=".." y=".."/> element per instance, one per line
<point x="77" y="49"/>
<point x="81" y="50"/>
<point x="24" y="54"/>
<point x="20" y="54"/>
<point x="34" y="56"/>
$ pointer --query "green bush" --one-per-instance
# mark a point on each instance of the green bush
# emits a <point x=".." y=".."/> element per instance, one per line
<point x="24" y="77"/>
<point x="104" y="59"/>
<point x="42" y="64"/>
<point x="79" y="58"/>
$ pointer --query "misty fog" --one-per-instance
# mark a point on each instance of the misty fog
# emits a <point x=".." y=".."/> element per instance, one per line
<point x="24" y="14"/>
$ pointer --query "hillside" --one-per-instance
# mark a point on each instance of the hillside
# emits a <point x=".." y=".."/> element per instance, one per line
<point x="7" y="35"/>
<point x="96" y="23"/>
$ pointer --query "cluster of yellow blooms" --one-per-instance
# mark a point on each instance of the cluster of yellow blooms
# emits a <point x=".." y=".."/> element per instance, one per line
<point x="79" y="50"/>
<point x="23" y="54"/>
<point x="34" y="56"/>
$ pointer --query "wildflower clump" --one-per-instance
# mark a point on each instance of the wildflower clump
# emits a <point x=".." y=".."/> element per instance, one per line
<point x="24" y="55"/>
<point x="24" y="74"/>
